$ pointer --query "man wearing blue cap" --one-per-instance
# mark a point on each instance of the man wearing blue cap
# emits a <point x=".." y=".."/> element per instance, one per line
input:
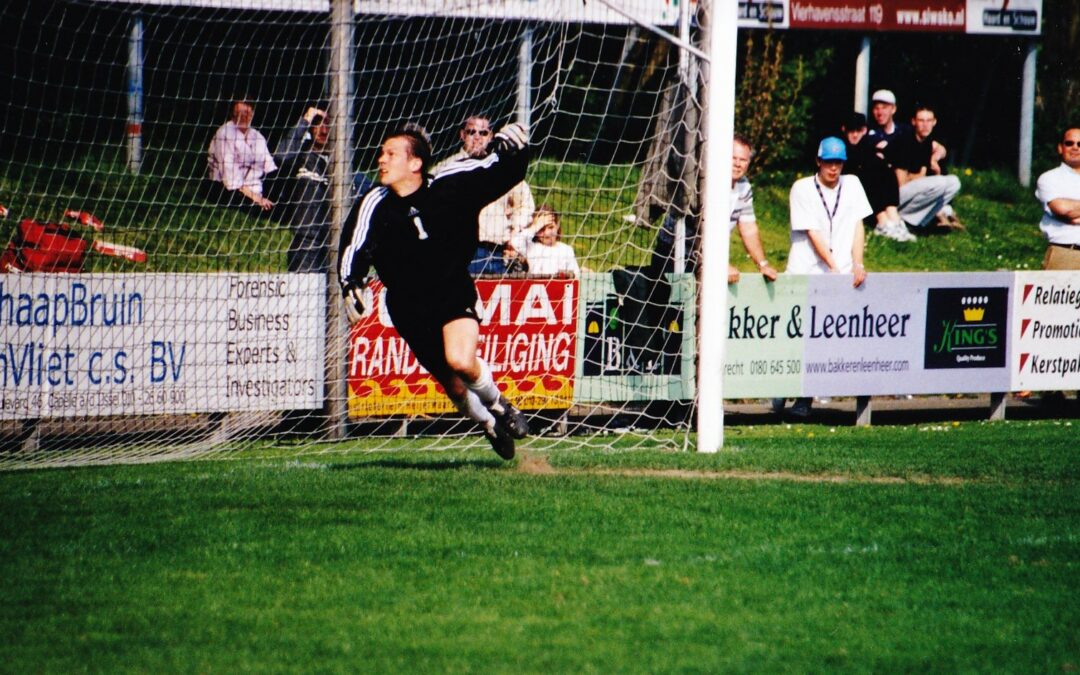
<point x="827" y="210"/>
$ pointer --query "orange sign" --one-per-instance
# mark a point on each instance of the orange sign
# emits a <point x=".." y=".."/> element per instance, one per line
<point x="528" y="336"/>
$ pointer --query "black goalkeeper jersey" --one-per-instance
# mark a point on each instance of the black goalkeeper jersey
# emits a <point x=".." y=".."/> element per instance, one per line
<point x="421" y="244"/>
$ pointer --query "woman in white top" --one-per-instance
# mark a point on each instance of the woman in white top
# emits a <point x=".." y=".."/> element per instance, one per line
<point x="544" y="253"/>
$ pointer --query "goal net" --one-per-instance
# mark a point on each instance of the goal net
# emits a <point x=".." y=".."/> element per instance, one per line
<point x="149" y="312"/>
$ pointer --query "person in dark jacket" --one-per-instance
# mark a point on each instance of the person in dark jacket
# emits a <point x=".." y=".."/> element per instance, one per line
<point x="879" y="181"/>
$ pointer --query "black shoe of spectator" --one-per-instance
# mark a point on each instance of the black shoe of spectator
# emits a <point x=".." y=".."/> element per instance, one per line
<point x="510" y="418"/>
<point x="501" y="440"/>
<point x="801" y="408"/>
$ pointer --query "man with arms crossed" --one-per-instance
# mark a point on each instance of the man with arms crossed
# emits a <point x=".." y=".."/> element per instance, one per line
<point x="827" y="237"/>
<point x="420" y="233"/>
<point x="1059" y="191"/>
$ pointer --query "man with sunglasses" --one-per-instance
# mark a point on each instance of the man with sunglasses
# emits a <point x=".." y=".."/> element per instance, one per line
<point x="504" y="218"/>
<point x="1059" y="191"/>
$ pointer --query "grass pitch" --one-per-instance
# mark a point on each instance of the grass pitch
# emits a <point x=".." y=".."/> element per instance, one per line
<point x="934" y="547"/>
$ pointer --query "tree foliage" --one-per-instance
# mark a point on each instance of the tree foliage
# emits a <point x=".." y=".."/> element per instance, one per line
<point x="1058" y="90"/>
<point x="772" y="105"/>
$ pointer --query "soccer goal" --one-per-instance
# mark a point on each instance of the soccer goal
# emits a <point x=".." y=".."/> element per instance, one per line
<point x="198" y="319"/>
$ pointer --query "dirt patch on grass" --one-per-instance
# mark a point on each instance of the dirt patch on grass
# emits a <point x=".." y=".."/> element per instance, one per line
<point x="535" y="465"/>
<point x="539" y="466"/>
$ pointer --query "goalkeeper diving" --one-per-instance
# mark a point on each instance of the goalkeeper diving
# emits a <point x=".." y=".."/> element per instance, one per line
<point x="420" y="233"/>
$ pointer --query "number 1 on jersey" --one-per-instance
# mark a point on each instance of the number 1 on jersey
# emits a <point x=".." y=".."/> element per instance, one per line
<point x="420" y="231"/>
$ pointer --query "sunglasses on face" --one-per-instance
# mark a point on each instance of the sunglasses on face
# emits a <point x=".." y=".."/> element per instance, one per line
<point x="482" y="132"/>
<point x="1070" y="144"/>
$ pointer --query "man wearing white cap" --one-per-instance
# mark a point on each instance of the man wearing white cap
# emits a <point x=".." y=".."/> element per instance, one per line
<point x="885" y="129"/>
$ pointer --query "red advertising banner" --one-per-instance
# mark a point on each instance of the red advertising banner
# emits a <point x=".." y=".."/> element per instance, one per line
<point x="1003" y="17"/>
<point x="528" y="336"/>
<point x="886" y="15"/>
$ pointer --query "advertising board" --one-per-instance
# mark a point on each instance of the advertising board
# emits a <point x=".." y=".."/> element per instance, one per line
<point x="896" y="334"/>
<point x="987" y="17"/>
<point x="528" y="337"/>
<point x="1046" y="326"/>
<point x="140" y="344"/>
<point x="637" y="338"/>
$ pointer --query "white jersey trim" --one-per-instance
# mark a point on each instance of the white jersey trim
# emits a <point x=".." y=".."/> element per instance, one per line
<point x="466" y="165"/>
<point x="363" y="226"/>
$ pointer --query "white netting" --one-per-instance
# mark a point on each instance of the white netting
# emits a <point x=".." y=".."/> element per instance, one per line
<point x="206" y="342"/>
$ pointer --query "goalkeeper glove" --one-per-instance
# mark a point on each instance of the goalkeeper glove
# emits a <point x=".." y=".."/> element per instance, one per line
<point x="355" y="306"/>
<point x="511" y="139"/>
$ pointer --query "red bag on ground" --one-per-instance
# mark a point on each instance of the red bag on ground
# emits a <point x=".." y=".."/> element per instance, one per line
<point x="44" y="247"/>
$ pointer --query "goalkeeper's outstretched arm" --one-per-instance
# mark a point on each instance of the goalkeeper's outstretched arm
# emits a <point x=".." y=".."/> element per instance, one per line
<point x="481" y="181"/>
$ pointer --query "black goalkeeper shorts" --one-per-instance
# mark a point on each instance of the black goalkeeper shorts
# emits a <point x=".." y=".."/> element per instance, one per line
<point x="421" y="325"/>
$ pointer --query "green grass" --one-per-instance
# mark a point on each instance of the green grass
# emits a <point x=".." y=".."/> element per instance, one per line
<point x="161" y="211"/>
<point x="947" y="548"/>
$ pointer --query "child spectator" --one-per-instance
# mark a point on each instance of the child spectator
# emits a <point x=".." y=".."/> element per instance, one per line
<point x="544" y="253"/>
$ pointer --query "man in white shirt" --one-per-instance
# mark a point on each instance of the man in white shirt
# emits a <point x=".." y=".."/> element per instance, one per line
<point x="238" y="158"/>
<point x="827" y="210"/>
<point x="1059" y="191"/>
<point x="827" y="237"/>
<point x="742" y="210"/>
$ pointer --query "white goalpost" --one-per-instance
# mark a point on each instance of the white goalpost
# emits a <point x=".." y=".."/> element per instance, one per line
<point x="215" y="339"/>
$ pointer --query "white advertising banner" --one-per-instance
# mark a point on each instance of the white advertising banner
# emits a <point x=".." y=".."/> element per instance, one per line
<point x="1046" y="326"/>
<point x="1004" y="17"/>
<point x="896" y="334"/>
<point x="142" y="344"/>
<point x="907" y="334"/>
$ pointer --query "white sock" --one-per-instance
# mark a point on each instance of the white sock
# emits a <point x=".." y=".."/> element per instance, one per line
<point x="472" y="408"/>
<point x="485" y="385"/>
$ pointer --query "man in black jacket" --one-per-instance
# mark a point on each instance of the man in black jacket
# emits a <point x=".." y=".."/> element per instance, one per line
<point x="420" y="232"/>
<point x="866" y="161"/>
<point x="304" y="192"/>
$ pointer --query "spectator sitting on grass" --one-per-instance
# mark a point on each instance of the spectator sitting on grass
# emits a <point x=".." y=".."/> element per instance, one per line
<point x="885" y="128"/>
<point x="925" y="194"/>
<point x="877" y="178"/>
<point x="238" y="159"/>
